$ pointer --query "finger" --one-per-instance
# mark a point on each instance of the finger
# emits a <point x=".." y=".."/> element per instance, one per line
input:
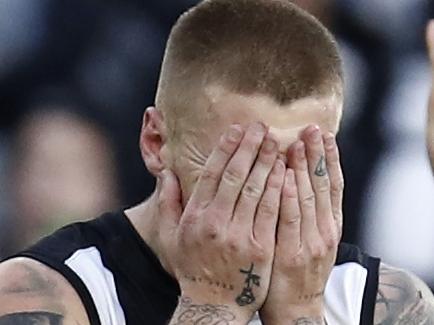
<point x="319" y="178"/>
<point x="264" y="229"/>
<point x="254" y="187"/>
<point x="206" y="187"/>
<point x="169" y="197"/>
<point x="289" y="231"/>
<point x="235" y="174"/>
<point x="430" y="41"/>
<point x="306" y="196"/>
<point x="336" y="179"/>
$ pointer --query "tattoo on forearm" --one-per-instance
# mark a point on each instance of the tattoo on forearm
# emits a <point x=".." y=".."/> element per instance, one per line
<point x="214" y="283"/>
<point x="310" y="321"/>
<point x="400" y="302"/>
<point x="321" y="168"/>
<point x="247" y="297"/>
<point x="190" y="313"/>
<point x="32" y="318"/>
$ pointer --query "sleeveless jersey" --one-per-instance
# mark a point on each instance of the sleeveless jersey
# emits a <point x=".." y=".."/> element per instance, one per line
<point x="121" y="281"/>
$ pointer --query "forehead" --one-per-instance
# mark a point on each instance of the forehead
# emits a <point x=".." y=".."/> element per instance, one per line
<point x="285" y="122"/>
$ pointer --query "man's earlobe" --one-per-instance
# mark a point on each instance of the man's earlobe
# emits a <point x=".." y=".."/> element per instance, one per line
<point x="152" y="140"/>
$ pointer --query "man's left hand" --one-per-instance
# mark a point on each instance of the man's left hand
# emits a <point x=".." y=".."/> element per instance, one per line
<point x="309" y="230"/>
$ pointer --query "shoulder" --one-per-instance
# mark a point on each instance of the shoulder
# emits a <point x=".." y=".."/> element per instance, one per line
<point x="32" y="293"/>
<point x="402" y="298"/>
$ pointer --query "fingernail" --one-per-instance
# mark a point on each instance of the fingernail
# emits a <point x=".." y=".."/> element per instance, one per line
<point x="235" y="132"/>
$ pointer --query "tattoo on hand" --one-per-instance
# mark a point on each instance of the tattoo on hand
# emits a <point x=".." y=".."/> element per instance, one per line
<point x="203" y="314"/>
<point x="215" y="283"/>
<point x="321" y="168"/>
<point x="32" y="318"/>
<point x="247" y="297"/>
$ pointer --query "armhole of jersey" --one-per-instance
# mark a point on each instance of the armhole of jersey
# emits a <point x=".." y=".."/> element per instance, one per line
<point x="370" y="294"/>
<point x="75" y="282"/>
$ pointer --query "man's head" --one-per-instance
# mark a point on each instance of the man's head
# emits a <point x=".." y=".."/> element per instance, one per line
<point x="239" y="61"/>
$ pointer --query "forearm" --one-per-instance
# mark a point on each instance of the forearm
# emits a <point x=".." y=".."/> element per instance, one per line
<point x="189" y="312"/>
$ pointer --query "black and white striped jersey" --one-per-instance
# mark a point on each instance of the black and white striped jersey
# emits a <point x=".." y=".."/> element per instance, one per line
<point x="121" y="281"/>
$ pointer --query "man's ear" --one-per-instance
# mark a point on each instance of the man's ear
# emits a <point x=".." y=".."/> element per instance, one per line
<point x="152" y="140"/>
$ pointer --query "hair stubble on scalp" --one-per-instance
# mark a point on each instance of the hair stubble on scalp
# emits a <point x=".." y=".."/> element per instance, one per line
<point x="267" y="47"/>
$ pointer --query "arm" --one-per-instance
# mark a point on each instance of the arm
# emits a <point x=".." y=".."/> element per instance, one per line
<point x="402" y="299"/>
<point x="31" y="293"/>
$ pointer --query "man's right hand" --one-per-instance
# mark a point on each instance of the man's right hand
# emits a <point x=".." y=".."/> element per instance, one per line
<point x="221" y="247"/>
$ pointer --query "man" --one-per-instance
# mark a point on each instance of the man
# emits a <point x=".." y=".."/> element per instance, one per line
<point x="242" y="221"/>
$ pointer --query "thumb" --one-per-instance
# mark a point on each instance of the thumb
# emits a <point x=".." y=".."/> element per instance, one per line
<point x="169" y="196"/>
<point x="430" y="41"/>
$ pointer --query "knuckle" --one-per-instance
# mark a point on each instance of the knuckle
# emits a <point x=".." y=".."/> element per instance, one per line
<point x="226" y="146"/>
<point x="233" y="176"/>
<point x="266" y="208"/>
<point x="258" y="252"/>
<point x="209" y="174"/>
<point x="252" y="191"/>
<point x="323" y="186"/>
<point x="259" y="255"/>
<point x="210" y="231"/>
<point x="308" y="200"/>
<point x="338" y="186"/>
<point x="233" y="245"/>
<point x="292" y="221"/>
<point x="317" y="251"/>
<point x="294" y="261"/>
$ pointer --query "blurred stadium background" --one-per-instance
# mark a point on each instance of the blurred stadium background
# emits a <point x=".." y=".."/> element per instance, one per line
<point x="76" y="75"/>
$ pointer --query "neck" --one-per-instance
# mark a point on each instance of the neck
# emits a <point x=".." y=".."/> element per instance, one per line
<point x="145" y="220"/>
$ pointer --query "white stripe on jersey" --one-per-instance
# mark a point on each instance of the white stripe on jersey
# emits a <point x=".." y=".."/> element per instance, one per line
<point x="88" y="265"/>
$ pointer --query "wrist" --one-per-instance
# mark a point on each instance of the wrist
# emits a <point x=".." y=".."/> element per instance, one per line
<point x="308" y="314"/>
<point x="192" y="310"/>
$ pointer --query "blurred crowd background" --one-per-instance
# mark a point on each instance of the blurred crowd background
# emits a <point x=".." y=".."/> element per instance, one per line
<point x="76" y="75"/>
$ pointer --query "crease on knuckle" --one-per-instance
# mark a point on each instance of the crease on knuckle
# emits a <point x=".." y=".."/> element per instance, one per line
<point x="209" y="174"/>
<point x="233" y="177"/>
<point x="308" y="200"/>
<point x="292" y="221"/>
<point x="267" y="209"/>
<point x="252" y="191"/>
<point x="323" y="186"/>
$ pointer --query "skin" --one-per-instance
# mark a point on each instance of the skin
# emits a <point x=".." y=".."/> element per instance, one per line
<point x="224" y="202"/>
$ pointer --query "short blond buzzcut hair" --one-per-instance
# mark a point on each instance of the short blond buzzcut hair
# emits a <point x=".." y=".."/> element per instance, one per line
<point x="267" y="47"/>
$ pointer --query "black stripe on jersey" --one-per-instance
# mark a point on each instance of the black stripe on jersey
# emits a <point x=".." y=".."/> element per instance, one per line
<point x="349" y="253"/>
